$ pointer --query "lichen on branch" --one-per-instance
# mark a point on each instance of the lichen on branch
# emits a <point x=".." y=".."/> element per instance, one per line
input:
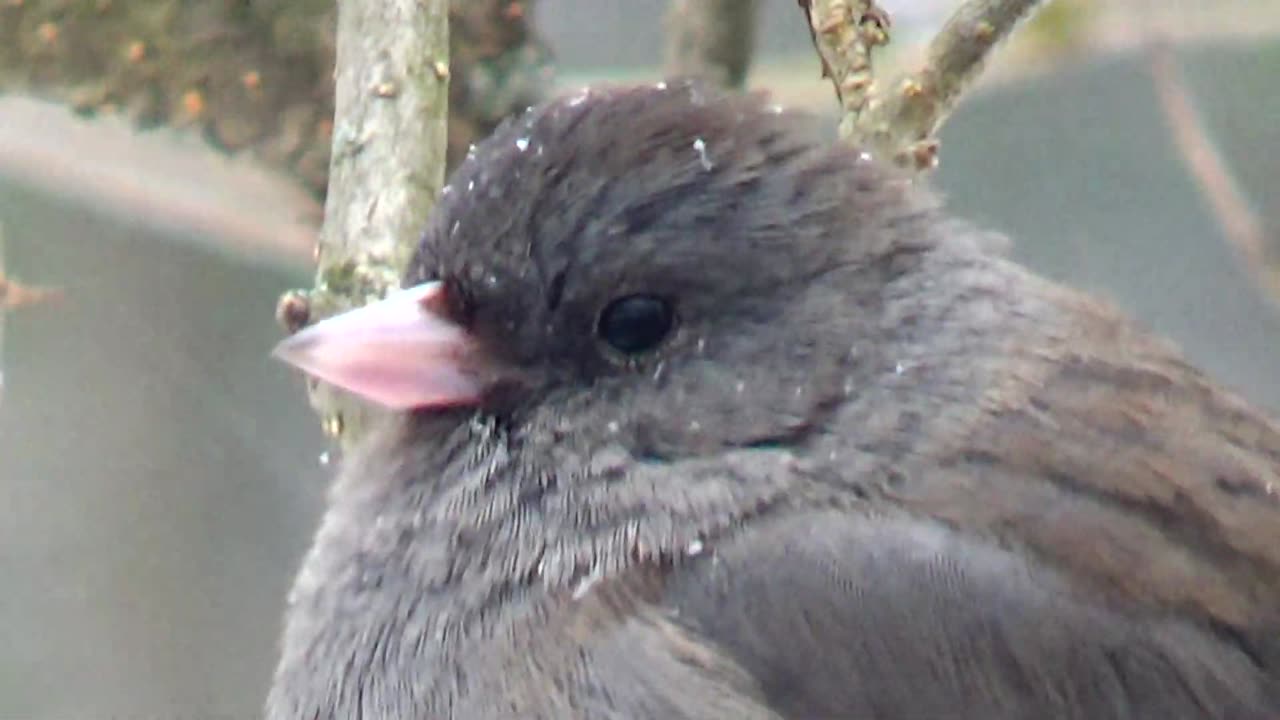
<point x="900" y="118"/>
<point x="389" y="143"/>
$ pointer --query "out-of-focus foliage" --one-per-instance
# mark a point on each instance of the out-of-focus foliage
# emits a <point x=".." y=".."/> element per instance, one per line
<point x="249" y="76"/>
<point x="253" y="77"/>
<point x="1062" y="26"/>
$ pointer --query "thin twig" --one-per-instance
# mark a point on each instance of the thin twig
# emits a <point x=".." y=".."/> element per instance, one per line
<point x="902" y="121"/>
<point x="389" y="144"/>
<point x="15" y="294"/>
<point x="905" y="120"/>
<point x="1241" y="227"/>
<point x="711" y="39"/>
<point x="845" y="32"/>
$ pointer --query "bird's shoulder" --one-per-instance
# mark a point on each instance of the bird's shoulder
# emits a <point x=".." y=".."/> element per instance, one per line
<point x="1101" y="452"/>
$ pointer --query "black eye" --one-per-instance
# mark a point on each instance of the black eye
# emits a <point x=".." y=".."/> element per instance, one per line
<point x="635" y="323"/>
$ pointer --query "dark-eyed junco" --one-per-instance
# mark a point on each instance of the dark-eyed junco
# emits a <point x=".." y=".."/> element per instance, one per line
<point x="706" y="417"/>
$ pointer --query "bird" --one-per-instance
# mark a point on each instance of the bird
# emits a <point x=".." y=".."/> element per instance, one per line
<point x="696" y="413"/>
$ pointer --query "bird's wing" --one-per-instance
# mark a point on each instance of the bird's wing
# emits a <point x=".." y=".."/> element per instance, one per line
<point x="1099" y="525"/>
<point x="834" y="614"/>
<point x="1106" y="457"/>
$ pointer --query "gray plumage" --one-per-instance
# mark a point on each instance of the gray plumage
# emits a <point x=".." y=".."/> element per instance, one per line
<point x="876" y="471"/>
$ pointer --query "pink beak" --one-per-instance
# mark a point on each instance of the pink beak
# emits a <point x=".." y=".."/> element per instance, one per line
<point x="400" y="352"/>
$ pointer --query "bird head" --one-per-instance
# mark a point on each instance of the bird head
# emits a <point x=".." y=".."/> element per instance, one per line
<point x="664" y="264"/>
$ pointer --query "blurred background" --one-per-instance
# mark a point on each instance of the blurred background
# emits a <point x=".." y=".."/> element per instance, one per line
<point x="160" y="475"/>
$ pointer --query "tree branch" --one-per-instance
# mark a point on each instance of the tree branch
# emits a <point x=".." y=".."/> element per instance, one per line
<point x="251" y="78"/>
<point x="389" y="144"/>
<point x="711" y="39"/>
<point x="845" y="32"/>
<point x="902" y="121"/>
<point x="1241" y="227"/>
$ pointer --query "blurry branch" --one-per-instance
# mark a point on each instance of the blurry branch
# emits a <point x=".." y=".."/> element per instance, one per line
<point x="249" y="78"/>
<point x="900" y="119"/>
<point x="500" y="67"/>
<point x="1241" y="227"/>
<point x="253" y="78"/>
<point x="711" y="39"/>
<point x="15" y="294"/>
<point x="389" y="143"/>
<point x="2" y="353"/>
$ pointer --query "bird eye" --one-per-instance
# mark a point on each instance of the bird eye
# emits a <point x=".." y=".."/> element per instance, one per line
<point x="635" y="323"/>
